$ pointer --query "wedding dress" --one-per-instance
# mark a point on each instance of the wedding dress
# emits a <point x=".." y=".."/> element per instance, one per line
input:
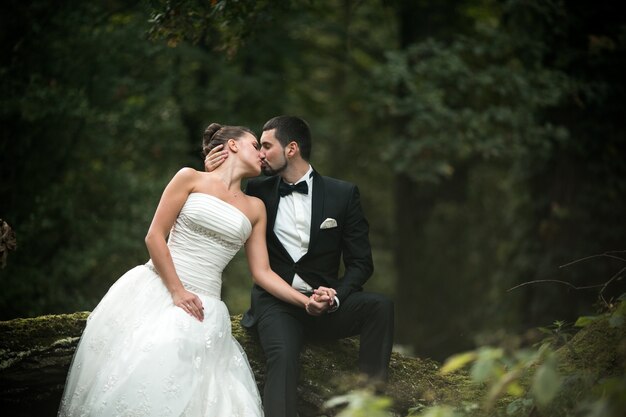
<point x="140" y="355"/>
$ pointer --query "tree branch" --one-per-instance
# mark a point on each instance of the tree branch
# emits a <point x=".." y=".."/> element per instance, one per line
<point x="557" y="281"/>
<point x="609" y="254"/>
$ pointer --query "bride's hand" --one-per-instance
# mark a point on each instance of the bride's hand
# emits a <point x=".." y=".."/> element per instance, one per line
<point x="215" y="158"/>
<point x="325" y="294"/>
<point x="190" y="303"/>
<point x="314" y="307"/>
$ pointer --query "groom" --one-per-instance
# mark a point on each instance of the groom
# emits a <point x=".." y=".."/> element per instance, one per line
<point x="312" y="223"/>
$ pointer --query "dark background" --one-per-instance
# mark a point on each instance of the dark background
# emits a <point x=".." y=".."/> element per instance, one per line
<point x="487" y="137"/>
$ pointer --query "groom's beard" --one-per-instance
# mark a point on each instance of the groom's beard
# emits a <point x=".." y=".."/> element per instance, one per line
<point x="269" y="171"/>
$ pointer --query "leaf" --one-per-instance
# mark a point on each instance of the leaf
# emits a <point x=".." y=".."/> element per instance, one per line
<point x="505" y="383"/>
<point x="361" y="403"/>
<point x="519" y="405"/>
<point x="585" y="321"/>
<point x="545" y="330"/>
<point x="440" y="411"/>
<point x="456" y="362"/>
<point x="616" y="319"/>
<point x="338" y="400"/>
<point x="515" y="389"/>
<point x="546" y="382"/>
<point x="483" y="370"/>
<point x="488" y="365"/>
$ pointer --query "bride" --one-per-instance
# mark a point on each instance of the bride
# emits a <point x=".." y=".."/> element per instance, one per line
<point x="159" y="343"/>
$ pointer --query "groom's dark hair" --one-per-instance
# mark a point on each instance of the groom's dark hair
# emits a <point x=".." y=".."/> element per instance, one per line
<point x="291" y="128"/>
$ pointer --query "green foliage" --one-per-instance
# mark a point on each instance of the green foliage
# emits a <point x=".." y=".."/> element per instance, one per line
<point x="97" y="136"/>
<point x="505" y="155"/>
<point x="120" y="117"/>
<point x="223" y="24"/>
<point x="487" y="139"/>
<point x="615" y="314"/>
<point x="611" y="399"/>
<point x="558" y="334"/>
<point x="546" y="382"/>
<point x="463" y="100"/>
<point x="438" y="411"/>
<point x="543" y="381"/>
<point x="361" y="404"/>
<point x="92" y="147"/>
<point x="502" y="372"/>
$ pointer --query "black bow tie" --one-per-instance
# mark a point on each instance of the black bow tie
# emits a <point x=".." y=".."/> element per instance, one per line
<point x="286" y="189"/>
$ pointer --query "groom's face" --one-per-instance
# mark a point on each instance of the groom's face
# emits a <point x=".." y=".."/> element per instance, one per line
<point x="273" y="159"/>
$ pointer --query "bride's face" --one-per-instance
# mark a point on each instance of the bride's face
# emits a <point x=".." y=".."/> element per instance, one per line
<point x="249" y="153"/>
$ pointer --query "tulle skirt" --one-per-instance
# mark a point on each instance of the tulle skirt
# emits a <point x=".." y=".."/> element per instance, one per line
<point x="142" y="356"/>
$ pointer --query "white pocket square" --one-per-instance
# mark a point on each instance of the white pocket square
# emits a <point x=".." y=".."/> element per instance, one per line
<point x="328" y="223"/>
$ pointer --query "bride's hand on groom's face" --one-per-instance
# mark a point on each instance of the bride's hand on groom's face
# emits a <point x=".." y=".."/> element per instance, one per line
<point x="190" y="303"/>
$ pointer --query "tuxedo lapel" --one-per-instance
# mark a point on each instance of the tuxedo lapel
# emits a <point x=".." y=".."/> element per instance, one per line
<point x="317" y="208"/>
<point x="272" y="204"/>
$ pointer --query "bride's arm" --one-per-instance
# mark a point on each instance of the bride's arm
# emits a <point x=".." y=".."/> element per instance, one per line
<point x="258" y="261"/>
<point x="172" y="201"/>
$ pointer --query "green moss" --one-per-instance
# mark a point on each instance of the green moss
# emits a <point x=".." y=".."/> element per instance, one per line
<point x="28" y="333"/>
<point x="330" y="369"/>
<point x="33" y="348"/>
<point x="595" y="353"/>
<point x="598" y="349"/>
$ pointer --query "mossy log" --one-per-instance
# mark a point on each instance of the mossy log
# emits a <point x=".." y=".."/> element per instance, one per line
<point x="35" y="355"/>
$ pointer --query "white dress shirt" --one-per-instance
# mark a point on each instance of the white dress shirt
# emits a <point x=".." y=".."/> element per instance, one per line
<point x="295" y="209"/>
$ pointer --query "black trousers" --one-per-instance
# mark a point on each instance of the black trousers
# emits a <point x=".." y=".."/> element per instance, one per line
<point x="283" y="328"/>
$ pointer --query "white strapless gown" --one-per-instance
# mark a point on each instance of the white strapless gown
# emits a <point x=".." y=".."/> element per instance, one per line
<point x="140" y="355"/>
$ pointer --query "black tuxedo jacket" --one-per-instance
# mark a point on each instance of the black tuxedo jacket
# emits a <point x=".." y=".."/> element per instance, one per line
<point x="334" y="199"/>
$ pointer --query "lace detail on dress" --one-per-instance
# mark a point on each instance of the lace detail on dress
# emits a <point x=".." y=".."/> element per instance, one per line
<point x="208" y="233"/>
<point x="171" y="388"/>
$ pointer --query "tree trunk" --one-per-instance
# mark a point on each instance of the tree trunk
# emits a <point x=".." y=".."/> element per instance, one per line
<point x="424" y="294"/>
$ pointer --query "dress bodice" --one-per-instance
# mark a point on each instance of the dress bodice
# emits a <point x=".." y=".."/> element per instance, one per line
<point x="206" y="236"/>
<point x="141" y="355"/>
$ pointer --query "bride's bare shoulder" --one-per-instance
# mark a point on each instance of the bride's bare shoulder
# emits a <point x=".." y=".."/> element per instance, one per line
<point x="257" y="207"/>
<point x="185" y="178"/>
<point x="188" y="175"/>
<point x="188" y="172"/>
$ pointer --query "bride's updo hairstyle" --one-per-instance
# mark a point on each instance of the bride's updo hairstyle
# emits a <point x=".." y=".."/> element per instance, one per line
<point x="216" y="134"/>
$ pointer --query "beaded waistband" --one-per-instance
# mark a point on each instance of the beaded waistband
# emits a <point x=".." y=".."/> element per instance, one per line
<point x="187" y="286"/>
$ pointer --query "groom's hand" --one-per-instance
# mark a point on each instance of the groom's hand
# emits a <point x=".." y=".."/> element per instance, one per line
<point x="328" y="295"/>
<point x="316" y="308"/>
<point x="324" y="294"/>
<point x="215" y="158"/>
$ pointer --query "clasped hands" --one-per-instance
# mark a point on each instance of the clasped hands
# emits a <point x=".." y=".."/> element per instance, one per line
<point x="320" y="301"/>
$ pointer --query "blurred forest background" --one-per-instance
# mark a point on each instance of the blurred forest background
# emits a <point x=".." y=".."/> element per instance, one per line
<point x="488" y="139"/>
